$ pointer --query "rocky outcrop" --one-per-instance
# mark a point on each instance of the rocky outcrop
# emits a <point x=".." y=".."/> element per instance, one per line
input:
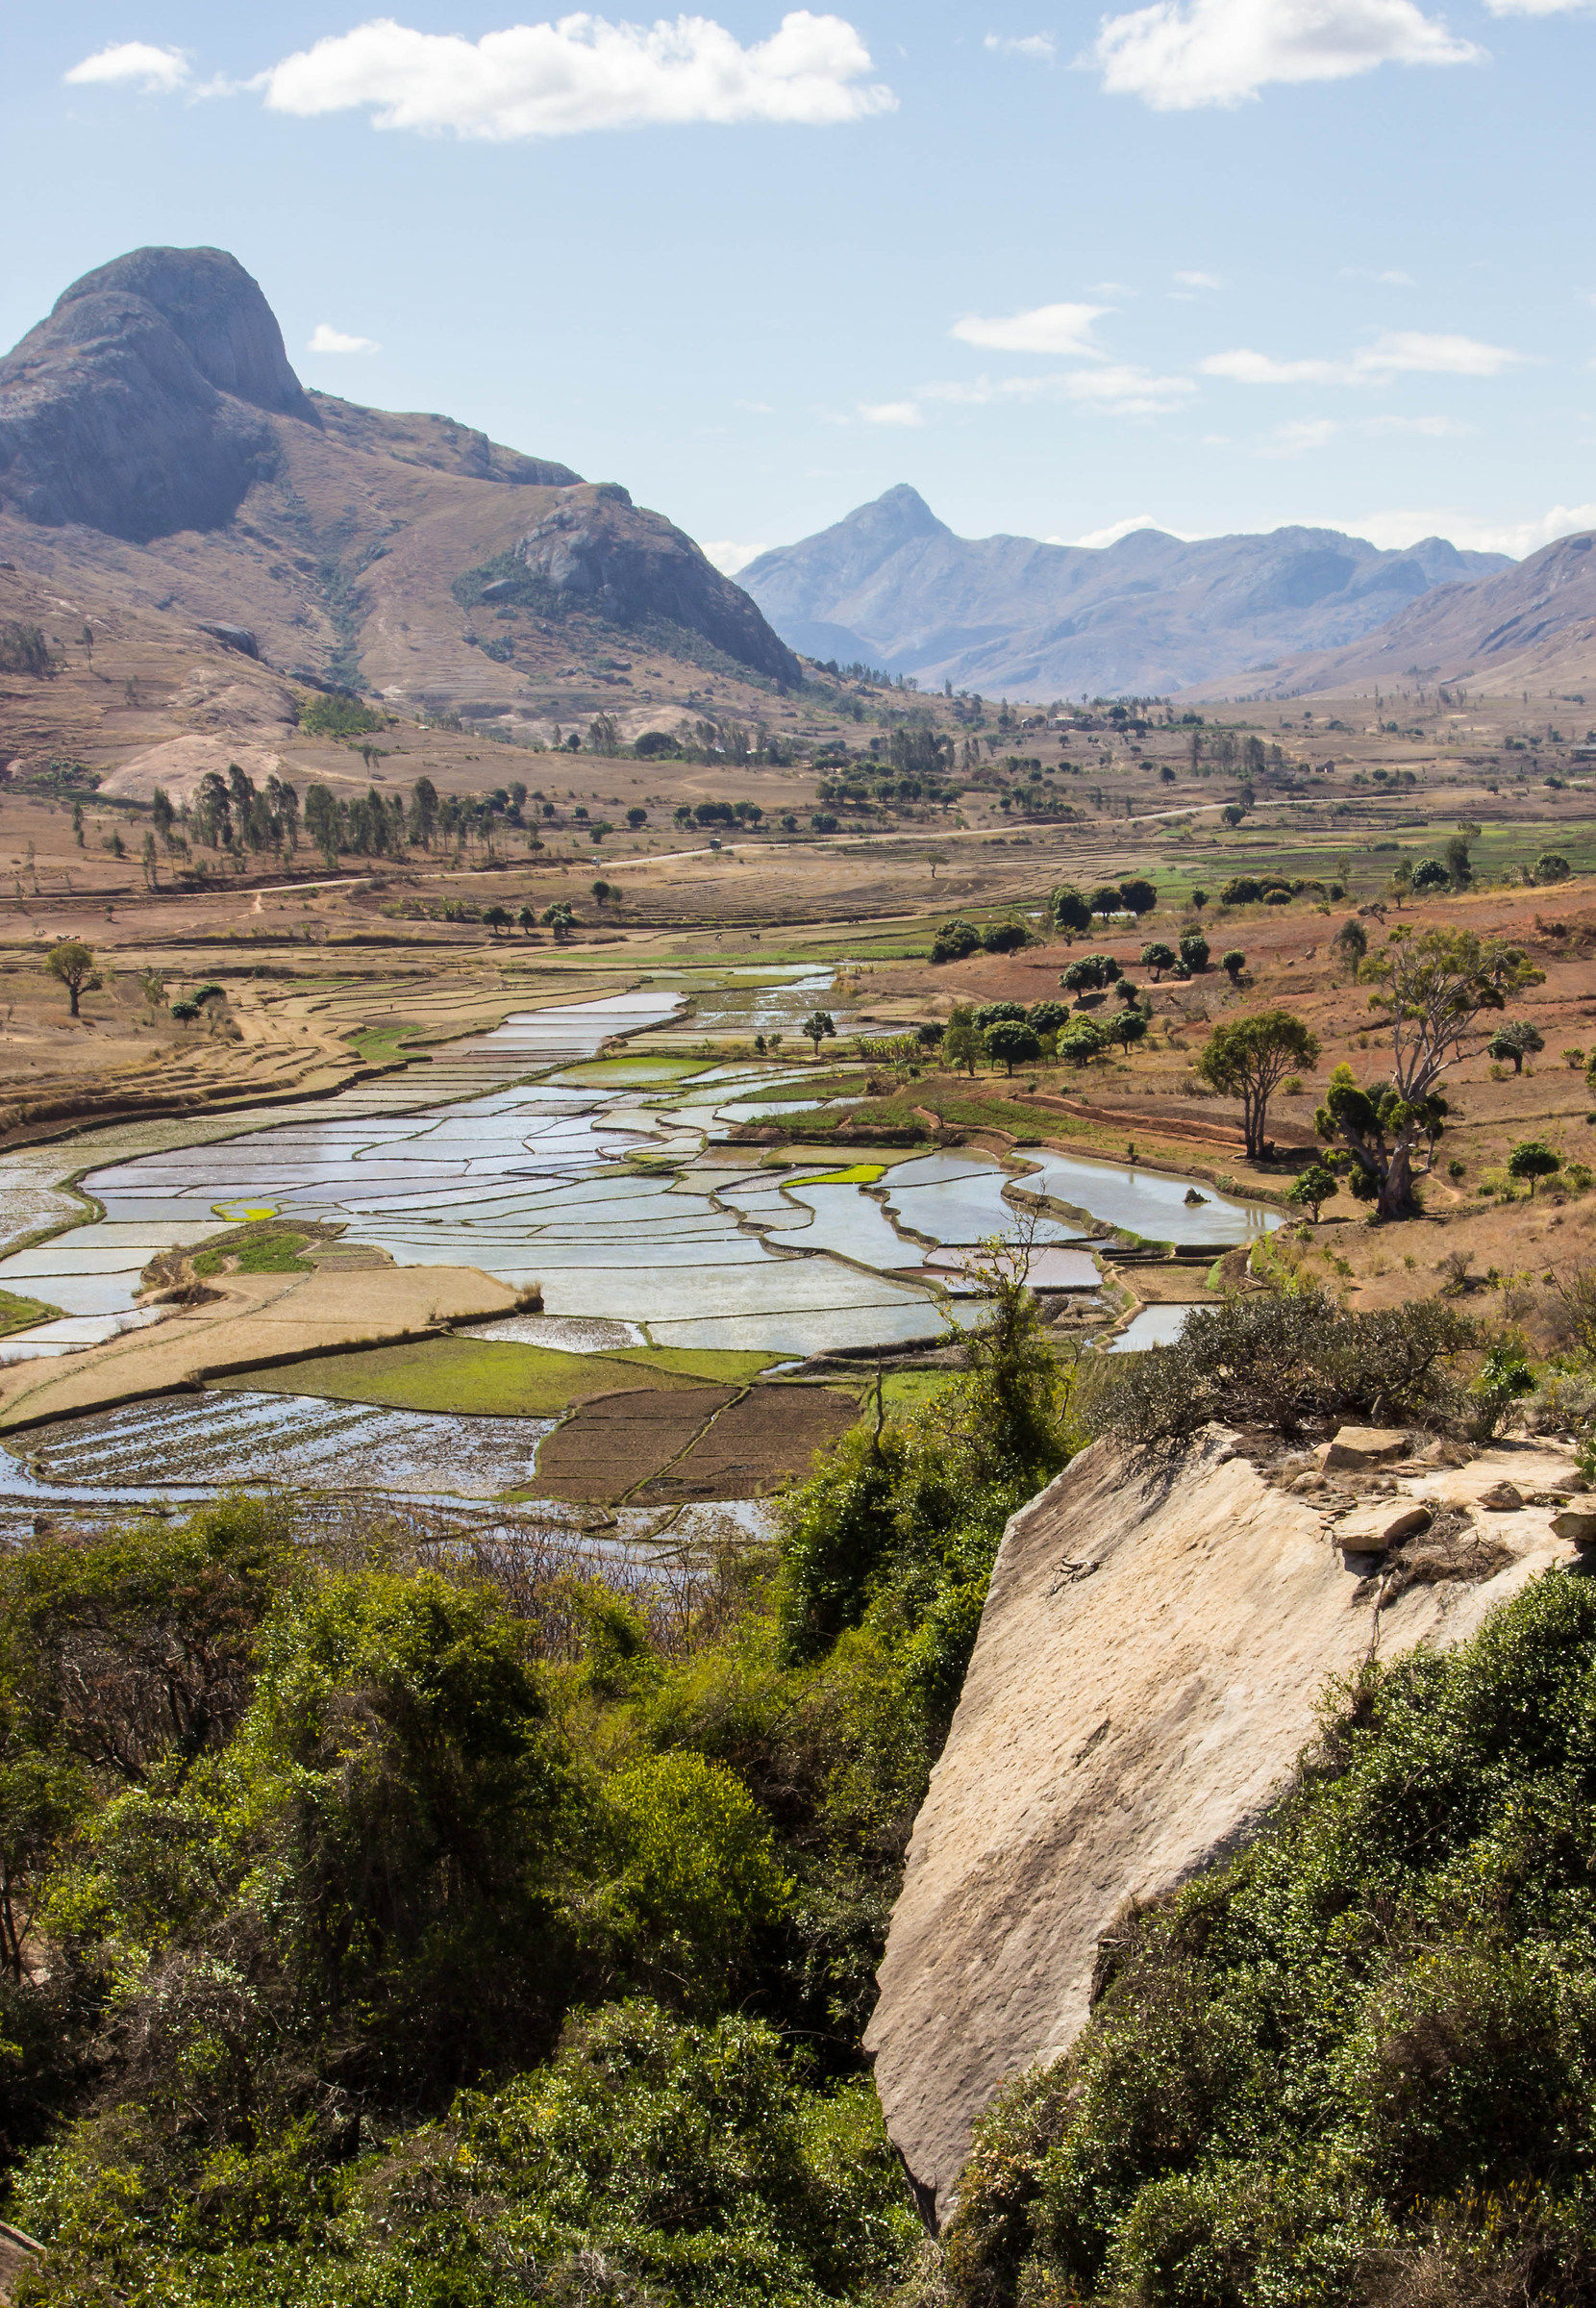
<point x="140" y="405"/>
<point x="600" y="551"/>
<point x="1149" y="1666"/>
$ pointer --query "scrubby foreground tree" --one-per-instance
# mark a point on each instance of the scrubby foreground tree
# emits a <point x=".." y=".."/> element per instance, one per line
<point x="1433" y="989"/>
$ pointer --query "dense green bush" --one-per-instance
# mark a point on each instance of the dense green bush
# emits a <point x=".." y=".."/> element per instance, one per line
<point x="1286" y="1361"/>
<point x="327" y="1874"/>
<point x="1358" y="2062"/>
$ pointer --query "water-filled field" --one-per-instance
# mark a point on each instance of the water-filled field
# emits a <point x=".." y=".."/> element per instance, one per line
<point x="605" y="1182"/>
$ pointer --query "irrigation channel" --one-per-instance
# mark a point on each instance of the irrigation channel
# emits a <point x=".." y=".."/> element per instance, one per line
<point x="606" y="1180"/>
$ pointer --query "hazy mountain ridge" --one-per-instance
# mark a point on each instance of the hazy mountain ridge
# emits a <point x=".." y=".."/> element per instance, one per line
<point x="1532" y="626"/>
<point x="893" y="585"/>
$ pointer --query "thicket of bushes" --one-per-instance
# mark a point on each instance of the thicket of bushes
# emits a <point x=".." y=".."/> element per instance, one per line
<point x="377" y="1929"/>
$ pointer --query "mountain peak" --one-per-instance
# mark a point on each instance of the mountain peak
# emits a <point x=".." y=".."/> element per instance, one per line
<point x="216" y="308"/>
<point x="138" y="406"/>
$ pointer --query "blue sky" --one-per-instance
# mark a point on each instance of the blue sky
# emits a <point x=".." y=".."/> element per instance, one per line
<point x="1214" y="264"/>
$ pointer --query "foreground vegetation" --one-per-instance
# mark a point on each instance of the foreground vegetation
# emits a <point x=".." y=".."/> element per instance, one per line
<point x="384" y="1925"/>
<point x="379" y="1928"/>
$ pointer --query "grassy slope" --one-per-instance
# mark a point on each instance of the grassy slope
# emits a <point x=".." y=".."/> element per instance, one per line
<point x="493" y="1377"/>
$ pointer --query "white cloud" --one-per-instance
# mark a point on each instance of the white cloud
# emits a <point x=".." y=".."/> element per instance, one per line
<point x="1400" y="351"/>
<point x="1181" y="54"/>
<point x="1293" y="440"/>
<point x="1388" y="279"/>
<point x="756" y="409"/>
<point x="890" y="413"/>
<point x="581" y="73"/>
<point x="325" y="338"/>
<point x="1044" y="328"/>
<point x="1423" y="428"/>
<point x="1199" y="279"/>
<point x="157" y="71"/>
<point x="1402" y="528"/>
<point x="728" y="556"/>
<point x="1534" y="8"/>
<point x="1040" y="47"/>
<point x="1116" y="387"/>
<point x="1096" y="538"/>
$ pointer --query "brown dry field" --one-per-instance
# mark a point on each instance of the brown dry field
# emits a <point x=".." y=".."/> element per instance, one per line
<point x="615" y="1443"/>
<point x="331" y="975"/>
<point x="766" y="1438"/>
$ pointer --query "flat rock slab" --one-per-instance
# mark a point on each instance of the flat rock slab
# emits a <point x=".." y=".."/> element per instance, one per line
<point x="1371" y="1529"/>
<point x="1149" y="1666"/>
<point x="1362" y="1446"/>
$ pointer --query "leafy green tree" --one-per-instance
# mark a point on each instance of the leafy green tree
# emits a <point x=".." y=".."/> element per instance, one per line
<point x="1429" y="873"/>
<point x="1194" y="950"/>
<point x="1248" y="1058"/>
<point x="1460" y="869"/>
<point x="962" y="1044"/>
<point x="559" y="919"/>
<point x="1433" y="989"/>
<point x="1107" y="898"/>
<point x="1139" y="896"/>
<point x="527" y="919"/>
<point x="1551" y="866"/>
<point x="1072" y="912"/>
<point x="955" y="940"/>
<point x="1157" y="957"/>
<point x="1351" y="943"/>
<point x="1046" y="1018"/>
<point x="1082" y="1039"/>
<point x="1515" y="1041"/>
<point x="1125" y="1027"/>
<point x="1533" y="1160"/>
<point x="1011" y="1042"/>
<point x="1313" y="1188"/>
<point x="1232" y="963"/>
<point x="817" y="1028"/>
<point x="73" y="963"/>
<point x="496" y="919"/>
<point x="636" y="817"/>
<point x="694" y="1876"/>
<point x="992" y="1014"/>
<point x="323" y="824"/>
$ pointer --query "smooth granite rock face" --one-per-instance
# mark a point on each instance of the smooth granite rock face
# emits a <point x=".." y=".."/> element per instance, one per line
<point x="603" y="551"/>
<point x="1149" y="1666"/>
<point x="142" y="405"/>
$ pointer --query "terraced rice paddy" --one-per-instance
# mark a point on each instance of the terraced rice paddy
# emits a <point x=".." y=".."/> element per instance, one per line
<point x="524" y="1153"/>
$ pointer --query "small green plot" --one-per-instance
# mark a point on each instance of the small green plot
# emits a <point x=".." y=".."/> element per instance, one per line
<point x="496" y="1378"/>
<point x="639" y="1070"/>
<point x="21" y="1314"/>
<point x="860" y="1173"/>
<point x="260" y="1254"/>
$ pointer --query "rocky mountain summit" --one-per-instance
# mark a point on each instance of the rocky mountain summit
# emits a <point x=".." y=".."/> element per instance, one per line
<point x="160" y="461"/>
<point x="137" y="405"/>
<point x="892" y="585"/>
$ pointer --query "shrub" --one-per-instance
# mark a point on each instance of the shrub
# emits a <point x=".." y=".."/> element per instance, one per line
<point x="1232" y="963"/>
<point x="1285" y="1363"/>
<point x="1533" y="1160"/>
<point x="955" y="939"/>
<point x="1194" y="950"/>
<point x="1005" y="938"/>
<point x="337" y="713"/>
<point x="1550" y="867"/>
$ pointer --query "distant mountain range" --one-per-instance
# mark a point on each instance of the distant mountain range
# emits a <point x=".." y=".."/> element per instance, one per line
<point x="1531" y="627"/>
<point x="893" y="586"/>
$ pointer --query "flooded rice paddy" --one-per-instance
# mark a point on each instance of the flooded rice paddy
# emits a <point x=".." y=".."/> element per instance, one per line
<point x="523" y="1153"/>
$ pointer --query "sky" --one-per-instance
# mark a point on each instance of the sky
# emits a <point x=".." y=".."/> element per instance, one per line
<point x="1209" y="265"/>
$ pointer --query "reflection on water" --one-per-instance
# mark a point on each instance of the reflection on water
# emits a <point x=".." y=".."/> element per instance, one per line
<point x="1145" y="1203"/>
<point x="1150" y="1326"/>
